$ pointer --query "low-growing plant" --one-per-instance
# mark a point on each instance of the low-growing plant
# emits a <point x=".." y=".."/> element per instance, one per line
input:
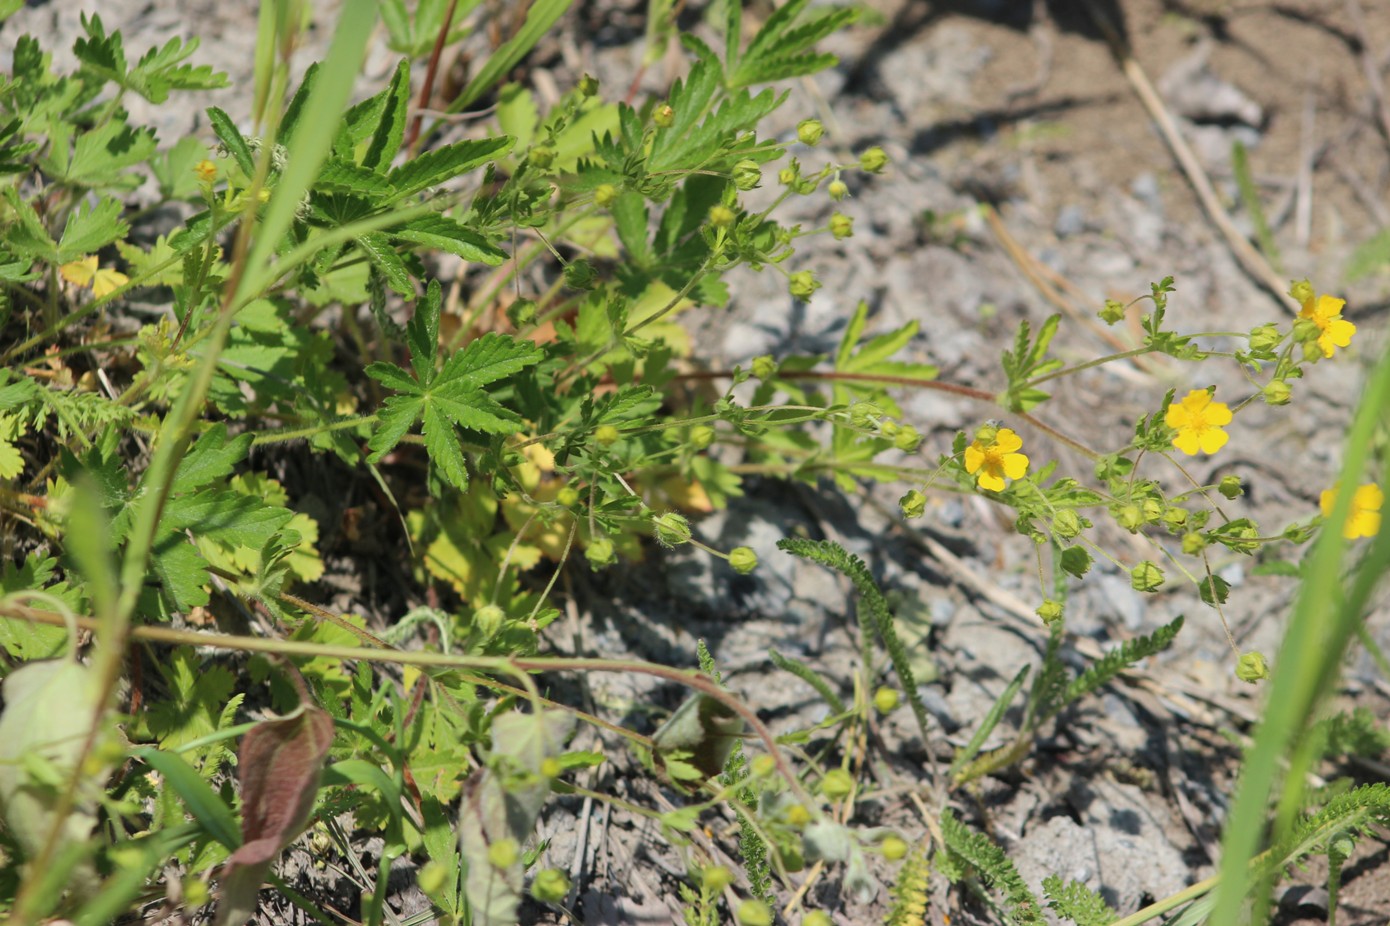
<point x="177" y="706"/>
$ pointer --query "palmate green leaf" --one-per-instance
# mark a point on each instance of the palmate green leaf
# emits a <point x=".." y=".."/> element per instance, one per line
<point x="696" y="135"/>
<point x="445" y="234"/>
<point x="488" y="359"/>
<point x="28" y="236"/>
<point x="379" y="251"/>
<point x="390" y="127"/>
<point x="91" y="228"/>
<point x="441" y="164"/>
<point x="212" y="457"/>
<point x="100" y="53"/>
<point x="342" y="176"/>
<point x="159" y="70"/>
<point x="783" y="48"/>
<point x="422" y="333"/>
<point x="102" y="156"/>
<point x="442" y="444"/>
<point x="231" y="139"/>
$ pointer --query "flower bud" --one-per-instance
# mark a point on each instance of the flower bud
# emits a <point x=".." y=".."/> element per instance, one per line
<point x="580" y="274"/>
<point x="1066" y="523"/>
<point x="798" y="816"/>
<point x="431" y="877"/>
<point x="1050" y="611"/>
<point x="743" y="559"/>
<point x="1251" y="667"/>
<point x="196" y="893"/>
<point x="604" y="194"/>
<point x="663" y="116"/>
<point x="1230" y="487"/>
<point x="503" y="853"/>
<point x="886" y="700"/>
<point x="551" y="767"/>
<point x="1175" y="518"/>
<point x="1130" y="517"/>
<point x="1301" y="291"/>
<point x="873" y="160"/>
<point x="809" y="132"/>
<point x="908" y="439"/>
<point x="206" y="171"/>
<point x="913" y="504"/>
<point x="606" y="435"/>
<point x="671" y="529"/>
<point x="986" y="433"/>
<point x="1153" y="510"/>
<point x="836" y="784"/>
<point x="894" y="848"/>
<point x="841" y="226"/>
<point x="551" y="885"/>
<point x="1265" y="338"/>
<point x="762" y="765"/>
<point x="753" y="913"/>
<point x="701" y="436"/>
<point x="542" y="156"/>
<point x="1277" y="392"/>
<point x="721" y="216"/>
<point x="747" y="175"/>
<point x="1113" y="312"/>
<point x="588" y="86"/>
<point x="488" y="619"/>
<point x="803" y="285"/>
<point x="568" y="496"/>
<point x="1193" y="543"/>
<point x="764" y="367"/>
<point x="837" y="189"/>
<point x="889" y="429"/>
<point x="600" y="553"/>
<point x="787" y="176"/>
<point x="521" y="313"/>
<point x="1146" y="577"/>
<point x="714" y="878"/>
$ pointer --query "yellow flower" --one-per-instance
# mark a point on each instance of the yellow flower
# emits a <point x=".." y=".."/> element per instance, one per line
<point x="84" y="272"/>
<point x="1326" y="313"/>
<point x="206" y="170"/>
<point x="1364" y="520"/>
<point x="1198" y="421"/>
<point x="996" y="460"/>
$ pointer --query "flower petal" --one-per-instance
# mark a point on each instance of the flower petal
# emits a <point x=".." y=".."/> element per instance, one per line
<point x="991" y="482"/>
<point x="974" y="457"/>
<point x="1339" y="332"/>
<point x="1327" y="501"/>
<point x="1212" y="440"/>
<point x="1007" y="441"/>
<point x="1218" y="414"/>
<point x="1015" y="465"/>
<point x="1368" y="497"/>
<point x="1186" y="441"/>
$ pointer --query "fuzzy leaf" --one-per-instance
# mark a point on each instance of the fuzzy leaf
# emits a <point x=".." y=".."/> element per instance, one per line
<point x="280" y="762"/>
<point x="210" y="458"/>
<point x="441" y="164"/>
<point x="383" y="256"/>
<point x="231" y="139"/>
<point x="442" y="232"/>
<point x="91" y="228"/>
<point x="386" y="140"/>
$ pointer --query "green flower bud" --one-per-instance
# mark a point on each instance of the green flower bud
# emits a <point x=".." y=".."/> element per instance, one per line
<point x="886" y="700"/>
<point x="551" y="767"/>
<point x="837" y="189"/>
<point x="503" y="853"/>
<point x="1146" y="577"/>
<point x="568" y="496"/>
<point x="1301" y="291"/>
<point x="908" y="439"/>
<point x="809" y="132"/>
<point x="894" y="848"/>
<point x="803" y="285"/>
<point x="1050" y="611"/>
<point x="600" y="553"/>
<point x="671" y="529"/>
<point x="1130" y="517"/>
<point x="604" y="194"/>
<point x="521" y="313"/>
<point x="788" y="176"/>
<point x="864" y="415"/>
<point x="888" y="428"/>
<point x="1265" y="338"/>
<point x="873" y="160"/>
<point x="841" y="226"/>
<point x="542" y="156"/>
<point x="1153" y="510"/>
<point x="580" y="274"/>
<point x="764" y="367"/>
<point x="836" y="784"/>
<point x="743" y="559"/>
<point x="1193" y="543"/>
<point x="588" y="86"/>
<point x="714" y="878"/>
<point x="762" y="765"/>
<point x="1066" y="524"/>
<point x="753" y="913"/>
<point x="663" y="116"/>
<point x="1113" y="312"/>
<point x="606" y="435"/>
<point x="798" y="816"/>
<point x="1230" y="487"/>
<point x="488" y="619"/>
<point x="1277" y="392"/>
<point x="747" y="175"/>
<point x="1175" y="518"/>
<point x="1306" y="331"/>
<point x="721" y="216"/>
<point x="701" y="436"/>
<point x="986" y="433"/>
<point x="551" y="885"/>
<point x="817" y="918"/>
<point x="432" y="877"/>
<point x="913" y="504"/>
<point x="196" y="893"/>
<point x="1251" y="667"/>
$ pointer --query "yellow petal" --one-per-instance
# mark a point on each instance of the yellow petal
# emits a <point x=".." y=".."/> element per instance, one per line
<point x="1015" y="465"/>
<point x="1327" y="501"/>
<point x="107" y="281"/>
<point x="1218" y="414"/>
<point x="1007" y="441"/>
<point x="1368" y="497"/>
<point x="974" y="457"/>
<point x="1212" y="440"/>
<point x="990" y="481"/>
<point x="1186" y="441"/>
<point x="80" y="271"/>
